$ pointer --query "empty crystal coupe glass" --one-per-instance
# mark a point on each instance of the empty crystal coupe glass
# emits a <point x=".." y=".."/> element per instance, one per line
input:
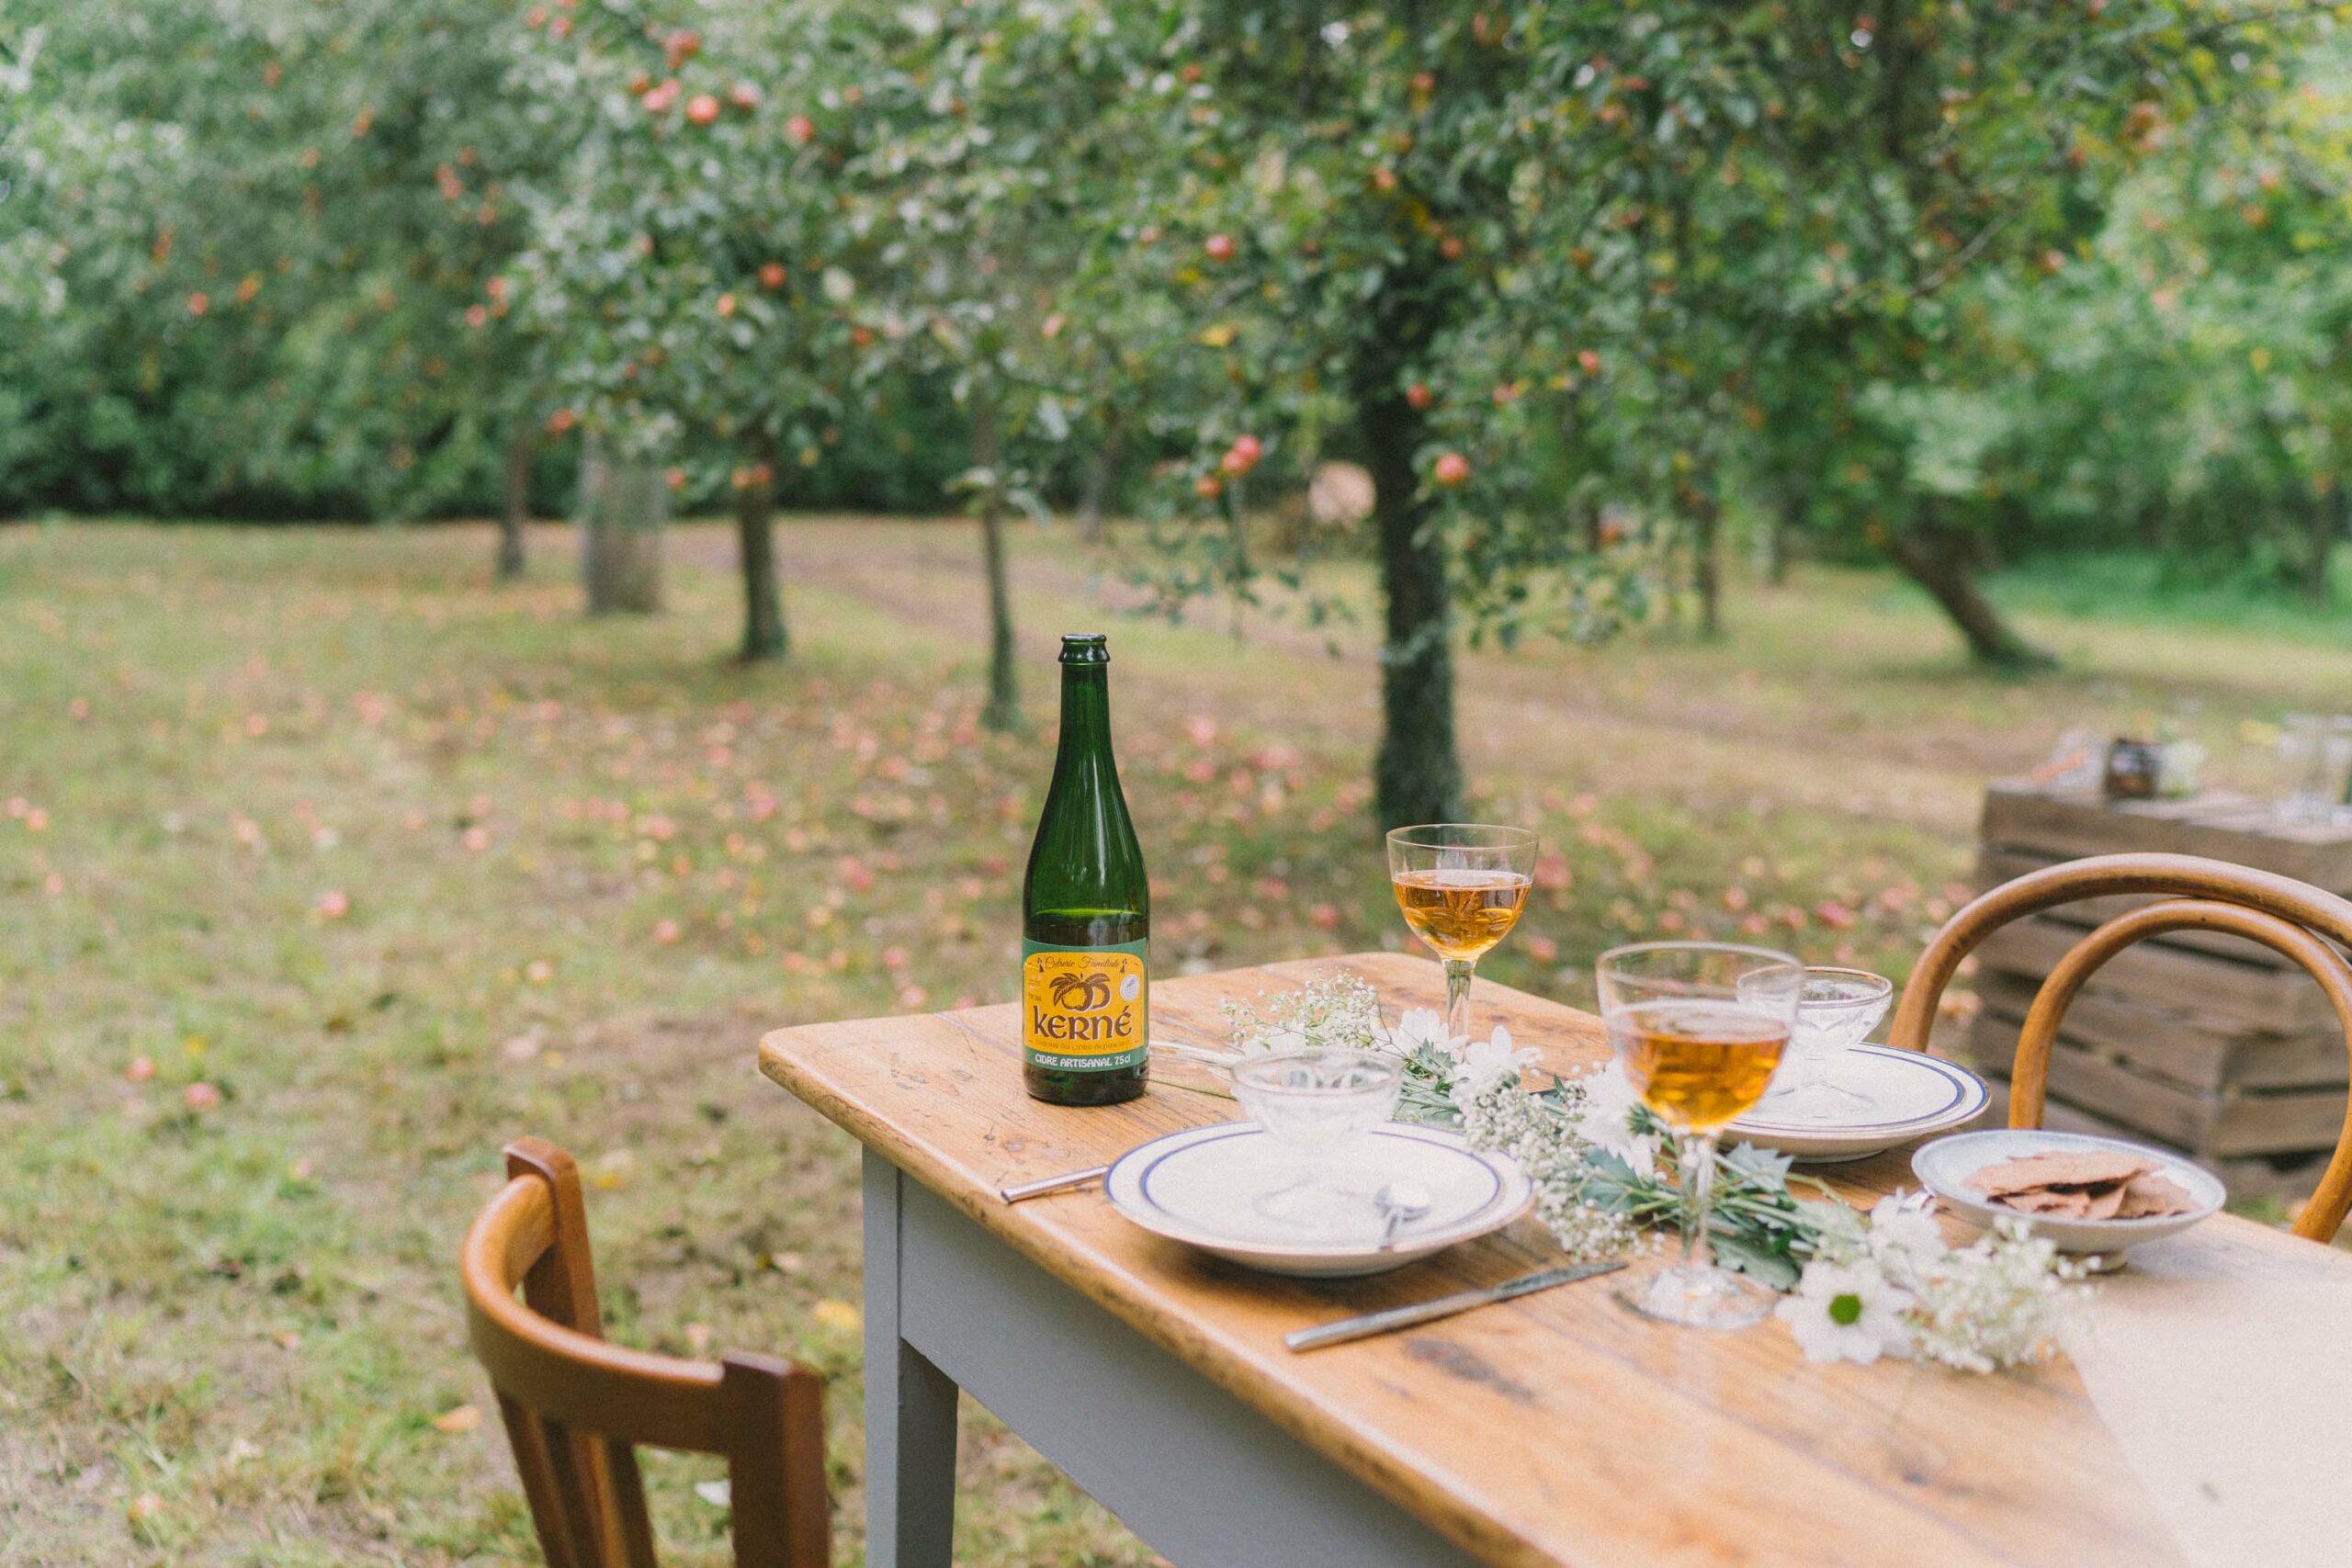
<point x="1319" y="1104"/>
<point x="1837" y="1009"/>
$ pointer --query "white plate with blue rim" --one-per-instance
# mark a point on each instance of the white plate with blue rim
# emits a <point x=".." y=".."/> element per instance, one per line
<point x="1210" y="1188"/>
<point x="1900" y="1096"/>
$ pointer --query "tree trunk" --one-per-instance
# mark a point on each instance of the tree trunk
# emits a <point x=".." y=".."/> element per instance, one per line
<point x="1937" y="560"/>
<point x="1583" y="507"/>
<point x="1237" y="512"/>
<point x="623" y="505"/>
<point x="1706" y="561"/>
<point x="1780" y="526"/>
<point x="1417" y="775"/>
<point x="1002" y="710"/>
<point x="1101" y="472"/>
<point x="1239" y="565"/>
<point x="2326" y="523"/>
<point x="763" y="631"/>
<point x="520" y="447"/>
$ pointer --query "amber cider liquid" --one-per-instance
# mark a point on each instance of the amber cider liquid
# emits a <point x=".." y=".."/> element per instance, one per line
<point x="1698" y="1062"/>
<point x="1460" y="913"/>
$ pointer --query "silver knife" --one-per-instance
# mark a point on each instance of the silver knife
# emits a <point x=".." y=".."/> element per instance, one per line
<point x="1369" y="1324"/>
<point x="1044" y="1184"/>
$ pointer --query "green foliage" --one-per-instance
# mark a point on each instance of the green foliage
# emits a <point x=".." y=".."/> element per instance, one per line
<point x="693" y="267"/>
<point x="2181" y="390"/>
<point x="2003" y="279"/>
<point x="243" y="240"/>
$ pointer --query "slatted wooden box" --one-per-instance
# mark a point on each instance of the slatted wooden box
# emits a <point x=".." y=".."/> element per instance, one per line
<point x="2210" y="1043"/>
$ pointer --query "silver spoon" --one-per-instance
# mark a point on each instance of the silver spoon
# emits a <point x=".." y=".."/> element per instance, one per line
<point x="1400" y="1203"/>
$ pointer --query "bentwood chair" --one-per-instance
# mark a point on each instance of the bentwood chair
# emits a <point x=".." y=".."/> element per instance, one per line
<point x="2304" y="923"/>
<point x="575" y="1407"/>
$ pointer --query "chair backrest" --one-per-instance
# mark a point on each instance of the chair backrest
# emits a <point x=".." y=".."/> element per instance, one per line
<point x="2307" y="924"/>
<point x="575" y="1407"/>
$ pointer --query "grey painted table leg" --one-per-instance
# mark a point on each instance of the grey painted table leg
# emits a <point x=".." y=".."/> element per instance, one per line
<point x="1207" y="1480"/>
<point x="910" y="1402"/>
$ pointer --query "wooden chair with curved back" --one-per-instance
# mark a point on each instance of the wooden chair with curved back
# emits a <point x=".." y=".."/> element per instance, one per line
<point x="575" y="1407"/>
<point x="2290" y="917"/>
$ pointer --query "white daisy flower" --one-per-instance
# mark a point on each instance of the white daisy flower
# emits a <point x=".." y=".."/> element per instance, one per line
<point x="1840" y="1313"/>
<point x="1606" y="1120"/>
<point x="1487" y="1062"/>
<point x="1416" y="1027"/>
<point x="1910" y="1234"/>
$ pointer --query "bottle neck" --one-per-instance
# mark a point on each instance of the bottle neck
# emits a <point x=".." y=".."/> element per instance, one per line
<point x="1086" y="717"/>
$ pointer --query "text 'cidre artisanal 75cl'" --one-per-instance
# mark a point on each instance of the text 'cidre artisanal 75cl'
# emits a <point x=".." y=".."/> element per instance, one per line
<point x="1085" y="911"/>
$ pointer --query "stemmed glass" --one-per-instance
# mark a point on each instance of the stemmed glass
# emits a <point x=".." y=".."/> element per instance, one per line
<point x="2316" y="750"/>
<point x="1318" y="1103"/>
<point x="1837" y="1009"/>
<point x="1699" y="1027"/>
<point x="1461" y="886"/>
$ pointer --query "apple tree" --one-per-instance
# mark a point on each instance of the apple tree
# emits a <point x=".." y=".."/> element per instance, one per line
<point x="984" y="160"/>
<point x="695" y="267"/>
<point x="253" y="236"/>
<point x="1816" y="197"/>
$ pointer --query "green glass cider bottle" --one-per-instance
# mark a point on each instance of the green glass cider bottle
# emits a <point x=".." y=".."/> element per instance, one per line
<point x="1085" y="911"/>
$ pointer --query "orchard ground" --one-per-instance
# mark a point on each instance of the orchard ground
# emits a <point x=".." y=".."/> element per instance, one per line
<point x="327" y="867"/>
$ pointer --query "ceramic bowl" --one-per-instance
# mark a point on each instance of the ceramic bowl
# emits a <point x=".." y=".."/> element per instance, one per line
<point x="1945" y="1166"/>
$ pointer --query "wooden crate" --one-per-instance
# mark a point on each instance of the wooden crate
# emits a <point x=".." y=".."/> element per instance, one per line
<point x="2206" y="1042"/>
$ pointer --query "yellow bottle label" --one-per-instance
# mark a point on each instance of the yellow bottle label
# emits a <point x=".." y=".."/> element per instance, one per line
<point x="1083" y="1008"/>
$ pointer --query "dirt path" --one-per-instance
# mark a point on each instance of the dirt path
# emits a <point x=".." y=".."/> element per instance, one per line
<point x="1549" y="714"/>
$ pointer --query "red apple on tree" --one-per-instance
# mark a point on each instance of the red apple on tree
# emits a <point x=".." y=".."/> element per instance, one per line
<point x="1220" y="247"/>
<point x="1418" y="395"/>
<point x="1208" y="487"/>
<point x="1588" y="361"/>
<point x="771" y="275"/>
<point x="1248" y="448"/>
<point x="744" y="96"/>
<point x="801" y="129"/>
<point x="681" y="46"/>
<point x="1450" y="469"/>
<point x="702" y="108"/>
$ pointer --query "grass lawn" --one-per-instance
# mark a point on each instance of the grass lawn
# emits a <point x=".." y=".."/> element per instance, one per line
<point x="326" y="867"/>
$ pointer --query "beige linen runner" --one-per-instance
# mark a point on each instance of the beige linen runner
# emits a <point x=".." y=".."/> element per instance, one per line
<point x="2230" y="1394"/>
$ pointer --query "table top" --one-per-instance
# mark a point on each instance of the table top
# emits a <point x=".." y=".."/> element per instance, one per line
<point x="1555" y="1429"/>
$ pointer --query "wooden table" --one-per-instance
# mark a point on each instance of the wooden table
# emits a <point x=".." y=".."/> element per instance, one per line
<point x="1558" y="1429"/>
